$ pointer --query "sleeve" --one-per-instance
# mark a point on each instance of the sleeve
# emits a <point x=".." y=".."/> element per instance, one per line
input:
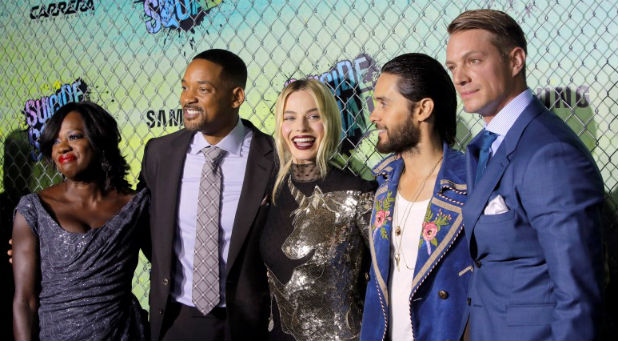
<point x="142" y="181"/>
<point x="562" y="194"/>
<point x="26" y="208"/>
<point x="144" y="228"/>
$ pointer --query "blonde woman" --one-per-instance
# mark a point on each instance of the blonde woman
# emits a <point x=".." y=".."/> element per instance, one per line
<point x="312" y="243"/>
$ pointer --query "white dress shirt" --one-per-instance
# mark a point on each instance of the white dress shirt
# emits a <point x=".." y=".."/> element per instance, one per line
<point x="504" y="120"/>
<point x="233" y="166"/>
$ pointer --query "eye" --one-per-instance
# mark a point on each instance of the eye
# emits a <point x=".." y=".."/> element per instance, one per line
<point x="75" y="136"/>
<point x="313" y="117"/>
<point x="288" y="117"/>
<point x="184" y="88"/>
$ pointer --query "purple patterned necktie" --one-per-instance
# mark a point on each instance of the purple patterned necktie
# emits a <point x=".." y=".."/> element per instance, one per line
<point x="206" y="256"/>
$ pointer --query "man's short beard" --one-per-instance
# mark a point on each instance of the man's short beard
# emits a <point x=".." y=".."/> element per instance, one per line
<point x="401" y="138"/>
<point x="193" y="127"/>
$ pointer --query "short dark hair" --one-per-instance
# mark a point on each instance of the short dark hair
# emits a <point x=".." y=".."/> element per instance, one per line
<point x="102" y="133"/>
<point x="234" y="69"/>
<point x="421" y="76"/>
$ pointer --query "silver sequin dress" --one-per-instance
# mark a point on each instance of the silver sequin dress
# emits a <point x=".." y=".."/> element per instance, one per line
<point x="86" y="278"/>
<point x="316" y="256"/>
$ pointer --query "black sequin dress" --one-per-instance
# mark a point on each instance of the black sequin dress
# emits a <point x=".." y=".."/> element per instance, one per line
<point x="314" y="249"/>
<point x="86" y="278"/>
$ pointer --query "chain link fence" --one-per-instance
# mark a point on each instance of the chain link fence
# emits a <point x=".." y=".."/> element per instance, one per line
<point x="129" y="56"/>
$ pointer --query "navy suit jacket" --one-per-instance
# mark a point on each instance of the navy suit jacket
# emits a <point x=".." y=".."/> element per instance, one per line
<point x="538" y="267"/>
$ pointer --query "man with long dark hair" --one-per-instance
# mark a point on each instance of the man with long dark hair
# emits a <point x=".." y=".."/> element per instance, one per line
<point x="420" y="263"/>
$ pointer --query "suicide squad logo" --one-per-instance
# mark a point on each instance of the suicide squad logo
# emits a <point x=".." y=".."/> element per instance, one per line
<point x="39" y="110"/>
<point x="352" y="82"/>
<point x="179" y="15"/>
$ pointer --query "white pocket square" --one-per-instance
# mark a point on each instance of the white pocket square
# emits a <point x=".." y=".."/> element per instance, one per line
<point x="496" y="206"/>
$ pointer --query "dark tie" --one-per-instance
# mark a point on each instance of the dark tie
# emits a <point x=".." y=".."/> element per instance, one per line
<point x="206" y="255"/>
<point x="486" y="140"/>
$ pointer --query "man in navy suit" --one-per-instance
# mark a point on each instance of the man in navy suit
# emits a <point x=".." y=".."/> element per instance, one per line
<point x="533" y="215"/>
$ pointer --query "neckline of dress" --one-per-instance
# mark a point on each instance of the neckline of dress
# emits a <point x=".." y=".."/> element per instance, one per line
<point x="92" y="229"/>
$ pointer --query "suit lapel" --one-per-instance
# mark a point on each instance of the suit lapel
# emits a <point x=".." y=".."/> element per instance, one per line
<point x="254" y="188"/>
<point x="169" y="178"/>
<point x="472" y="152"/>
<point x="382" y="223"/>
<point x="479" y="194"/>
<point x="428" y="255"/>
<point x="444" y="213"/>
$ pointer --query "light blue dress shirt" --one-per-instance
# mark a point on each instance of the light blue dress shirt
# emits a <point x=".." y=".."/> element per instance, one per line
<point x="233" y="166"/>
<point x="504" y="120"/>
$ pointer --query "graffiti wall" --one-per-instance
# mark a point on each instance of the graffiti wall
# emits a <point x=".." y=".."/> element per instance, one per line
<point x="129" y="56"/>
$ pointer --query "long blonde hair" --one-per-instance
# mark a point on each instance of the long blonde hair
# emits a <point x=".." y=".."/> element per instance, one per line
<point x="331" y="119"/>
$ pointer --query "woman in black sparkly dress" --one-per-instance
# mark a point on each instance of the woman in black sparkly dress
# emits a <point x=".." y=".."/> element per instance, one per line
<point x="313" y="243"/>
<point x="75" y="244"/>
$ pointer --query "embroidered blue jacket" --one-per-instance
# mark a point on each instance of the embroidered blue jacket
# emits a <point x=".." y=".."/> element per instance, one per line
<point x="442" y="271"/>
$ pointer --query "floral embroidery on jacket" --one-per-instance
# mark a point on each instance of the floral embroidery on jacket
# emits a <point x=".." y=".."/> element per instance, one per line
<point x="382" y="212"/>
<point x="431" y="227"/>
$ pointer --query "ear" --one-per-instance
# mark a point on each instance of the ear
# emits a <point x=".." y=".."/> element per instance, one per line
<point x="518" y="60"/>
<point x="424" y="109"/>
<point x="238" y="97"/>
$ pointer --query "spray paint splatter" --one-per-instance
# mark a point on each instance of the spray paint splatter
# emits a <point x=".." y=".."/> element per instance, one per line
<point x="175" y="15"/>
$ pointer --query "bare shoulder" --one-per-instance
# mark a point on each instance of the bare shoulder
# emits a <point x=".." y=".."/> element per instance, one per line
<point x="121" y="197"/>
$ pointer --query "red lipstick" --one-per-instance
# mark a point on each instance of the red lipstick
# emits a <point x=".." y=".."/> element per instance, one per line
<point x="66" y="158"/>
<point x="303" y="142"/>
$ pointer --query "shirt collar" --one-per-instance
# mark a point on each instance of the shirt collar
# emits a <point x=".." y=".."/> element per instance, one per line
<point x="506" y="117"/>
<point x="231" y="143"/>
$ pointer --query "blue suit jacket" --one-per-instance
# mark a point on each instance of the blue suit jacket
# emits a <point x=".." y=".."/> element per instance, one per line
<point x="538" y="267"/>
<point x="441" y="274"/>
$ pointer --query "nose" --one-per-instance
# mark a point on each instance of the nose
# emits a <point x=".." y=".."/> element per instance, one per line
<point x="301" y="124"/>
<point x="460" y="76"/>
<point x="187" y="97"/>
<point x="62" y="146"/>
<point x="374" y="116"/>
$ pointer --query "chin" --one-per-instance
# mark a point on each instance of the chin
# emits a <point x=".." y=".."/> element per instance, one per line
<point x="383" y="148"/>
<point x="192" y="126"/>
<point x="471" y="109"/>
<point x="305" y="159"/>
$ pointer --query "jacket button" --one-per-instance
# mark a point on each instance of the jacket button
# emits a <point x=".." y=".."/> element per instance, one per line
<point x="165" y="282"/>
<point x="366" y="276"/>
<point x="468" y="300"/>
<point x="443" y="294"/>
<point x="477" y="263"/>
<point x="161" y="312"/>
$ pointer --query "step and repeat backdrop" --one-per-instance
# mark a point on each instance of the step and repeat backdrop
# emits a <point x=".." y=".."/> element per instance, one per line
<point x="129" y="56"/>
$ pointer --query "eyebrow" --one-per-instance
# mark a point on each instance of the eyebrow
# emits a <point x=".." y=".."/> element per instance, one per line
<point x="200" y="82"/>
<point x="294" y="112"/>
<point x="465" y="56"/>
<point x="71" y="131"/>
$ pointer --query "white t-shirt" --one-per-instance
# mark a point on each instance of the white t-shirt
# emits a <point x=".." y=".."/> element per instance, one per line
<point x="408" y="216"/>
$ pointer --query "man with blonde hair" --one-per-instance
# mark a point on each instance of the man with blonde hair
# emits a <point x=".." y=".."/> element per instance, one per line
<point x="532" y="218"/>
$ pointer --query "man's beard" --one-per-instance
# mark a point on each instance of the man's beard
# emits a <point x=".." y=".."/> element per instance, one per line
<point x="401" y="138"/>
